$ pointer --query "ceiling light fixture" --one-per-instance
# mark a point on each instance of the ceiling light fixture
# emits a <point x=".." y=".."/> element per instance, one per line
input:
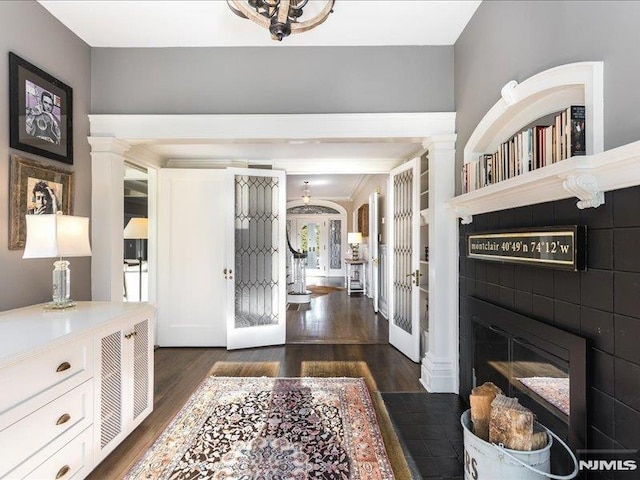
<point x="282" y="17"/>
<point x="306" y="194"/>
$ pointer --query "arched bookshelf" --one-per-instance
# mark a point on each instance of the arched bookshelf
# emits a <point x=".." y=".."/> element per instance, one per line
<point x="585" y="177"/>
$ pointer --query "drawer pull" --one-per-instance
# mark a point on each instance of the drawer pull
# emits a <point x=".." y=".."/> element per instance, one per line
<point x="63" y="419"/>
<point x="63" y="366"/>
<point x="129" y="335"/>
<point x="63" y="471"/>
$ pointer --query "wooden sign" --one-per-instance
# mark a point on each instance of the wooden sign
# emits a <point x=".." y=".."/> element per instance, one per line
<point x="558" y="247"/>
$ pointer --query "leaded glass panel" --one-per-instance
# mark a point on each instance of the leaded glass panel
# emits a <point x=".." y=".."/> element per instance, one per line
<point x="312" y="210"/>
<point x="256" y="251"/>
<point x="402" y="248"/>
<point x="335" y="244"/>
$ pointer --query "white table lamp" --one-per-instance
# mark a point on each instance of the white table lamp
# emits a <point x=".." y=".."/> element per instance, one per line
<point x="354" y="239"/>
<point x="57" y="235"/>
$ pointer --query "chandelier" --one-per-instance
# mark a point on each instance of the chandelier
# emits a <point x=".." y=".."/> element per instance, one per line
<point x="281" y="17"/>
<point x="306" y="194"/>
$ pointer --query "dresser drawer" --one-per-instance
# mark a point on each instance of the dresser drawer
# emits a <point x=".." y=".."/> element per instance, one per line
<point x="59" y="369"/>
<point x="49" y="427"/>
<point x="73" y="461"/>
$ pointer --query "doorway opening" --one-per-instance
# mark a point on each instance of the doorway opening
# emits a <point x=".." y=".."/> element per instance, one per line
<point x="136" y="213"/>
<point x="319" y="227"/>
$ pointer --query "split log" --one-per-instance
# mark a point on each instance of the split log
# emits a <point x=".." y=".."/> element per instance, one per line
<point x="480" y="400"/>
<point x="539" y="440"/>
<point x="511" y="424"/>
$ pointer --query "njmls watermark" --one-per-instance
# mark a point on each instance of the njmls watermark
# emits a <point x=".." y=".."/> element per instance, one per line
<point x="607" y="460"/>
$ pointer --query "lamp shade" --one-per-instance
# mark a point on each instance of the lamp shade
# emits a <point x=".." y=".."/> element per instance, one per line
<point x="137" y="228"/>
<point x="56" y="235"/>
<point x="354" y="237"/>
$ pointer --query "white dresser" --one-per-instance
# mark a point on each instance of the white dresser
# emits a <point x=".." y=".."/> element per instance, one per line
<point x="73" y="385"/>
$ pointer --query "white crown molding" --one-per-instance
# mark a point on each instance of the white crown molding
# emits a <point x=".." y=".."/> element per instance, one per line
<point x="143" y="155"/>
<point x="358" y="187"/>
<point x="337" y="166"/>
<point x="204" y="163"/>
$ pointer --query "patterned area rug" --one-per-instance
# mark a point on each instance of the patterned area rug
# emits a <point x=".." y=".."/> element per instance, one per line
<point x="245" y="369"/>
<point x="359" y="369"/>
<point x="319" y="290"/>
<point x="553" y="390"/>
<point x="268" y="429"/>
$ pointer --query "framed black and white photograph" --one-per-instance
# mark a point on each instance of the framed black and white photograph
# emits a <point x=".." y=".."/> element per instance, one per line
<point x="40" y="112"/>
<point x="36" y="189"/>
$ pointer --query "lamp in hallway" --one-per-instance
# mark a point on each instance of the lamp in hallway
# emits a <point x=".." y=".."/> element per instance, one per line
<point x="138" y="229"/>
<point x="354" y="239"/>
<point x="57" y="235"/>
<point x="283" y="17"/>
<point x="306" y="194"/>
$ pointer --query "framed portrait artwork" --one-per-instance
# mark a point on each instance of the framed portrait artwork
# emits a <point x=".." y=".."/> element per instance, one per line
<point x="40" y="112"/>
<point x="35" y="189"/>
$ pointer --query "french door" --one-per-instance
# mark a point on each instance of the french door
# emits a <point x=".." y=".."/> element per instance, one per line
<point x="374" y="200"/>
<point x="191" y="285"/>
<point x="311" y="237"/>
<point x="256" y="258"/>
<point x="404" y="260"/>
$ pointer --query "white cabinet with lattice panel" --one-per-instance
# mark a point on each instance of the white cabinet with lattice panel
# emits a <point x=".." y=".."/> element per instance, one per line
<point x="55" y="364"/>
<point x="123" y="379"/>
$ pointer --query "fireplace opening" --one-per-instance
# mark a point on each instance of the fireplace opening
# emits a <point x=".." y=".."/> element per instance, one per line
<point x="543" y="366"/>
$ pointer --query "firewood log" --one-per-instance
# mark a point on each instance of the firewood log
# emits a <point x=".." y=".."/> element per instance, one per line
<point x="511" y="424"/>
<point x="480" y="400"/>
<point x="539" y="440"/>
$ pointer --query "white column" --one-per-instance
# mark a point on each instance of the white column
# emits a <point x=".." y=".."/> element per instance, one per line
<point x="440" y="365"/>
<point x="107" y="217"/>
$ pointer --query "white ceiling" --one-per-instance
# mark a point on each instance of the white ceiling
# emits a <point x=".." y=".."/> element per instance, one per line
<point x="120" y="23"/>
<point x="200" y="23"/>
<point x="328" y="187"/>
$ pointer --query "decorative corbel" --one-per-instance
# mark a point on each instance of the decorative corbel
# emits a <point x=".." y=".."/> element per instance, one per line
<point x="463" y="212"/>
<point x="508" y="93"/>
<point x="585" y="187"/>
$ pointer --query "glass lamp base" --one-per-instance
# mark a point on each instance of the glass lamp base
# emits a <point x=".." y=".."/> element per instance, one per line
<point x="60" y="305"/>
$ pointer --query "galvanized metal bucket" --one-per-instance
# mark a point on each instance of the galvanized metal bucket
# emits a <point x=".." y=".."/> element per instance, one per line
<point x="488" y="461"/>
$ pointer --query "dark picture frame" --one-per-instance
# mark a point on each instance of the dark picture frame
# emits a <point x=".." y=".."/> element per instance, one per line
<point x="36" y="188"/>
<point x="40" y="112"/>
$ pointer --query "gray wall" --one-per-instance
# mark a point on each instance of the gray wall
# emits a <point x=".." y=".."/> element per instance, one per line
<point x="514" y="40"/>
<point x="28" y="30"/>
<point x="285" y="80"/>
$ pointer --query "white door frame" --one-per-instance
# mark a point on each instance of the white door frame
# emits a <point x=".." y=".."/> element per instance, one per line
<point x="114" y="137"/>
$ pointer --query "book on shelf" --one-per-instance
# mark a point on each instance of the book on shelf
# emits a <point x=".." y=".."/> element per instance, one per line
<point x="576" y="140"/>
<point x="530" y="149"/>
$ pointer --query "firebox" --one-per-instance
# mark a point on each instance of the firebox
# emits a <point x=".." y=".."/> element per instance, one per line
<point x="543" y="366"/>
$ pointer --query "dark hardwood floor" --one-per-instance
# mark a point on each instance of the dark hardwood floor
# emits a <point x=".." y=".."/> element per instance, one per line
<point x="337" y="318"/>
<point x="178" y="372"/>
<point x="336" y="328"/>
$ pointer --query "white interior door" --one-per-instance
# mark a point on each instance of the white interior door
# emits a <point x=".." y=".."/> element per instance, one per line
<point x="191" y="286"/>
<point x="404" y="259"/>
<point x="374" y="200"/>
<point x="256" y="258"/>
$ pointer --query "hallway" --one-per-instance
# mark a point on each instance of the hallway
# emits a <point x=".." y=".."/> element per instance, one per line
<point x="336" y="318"/>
